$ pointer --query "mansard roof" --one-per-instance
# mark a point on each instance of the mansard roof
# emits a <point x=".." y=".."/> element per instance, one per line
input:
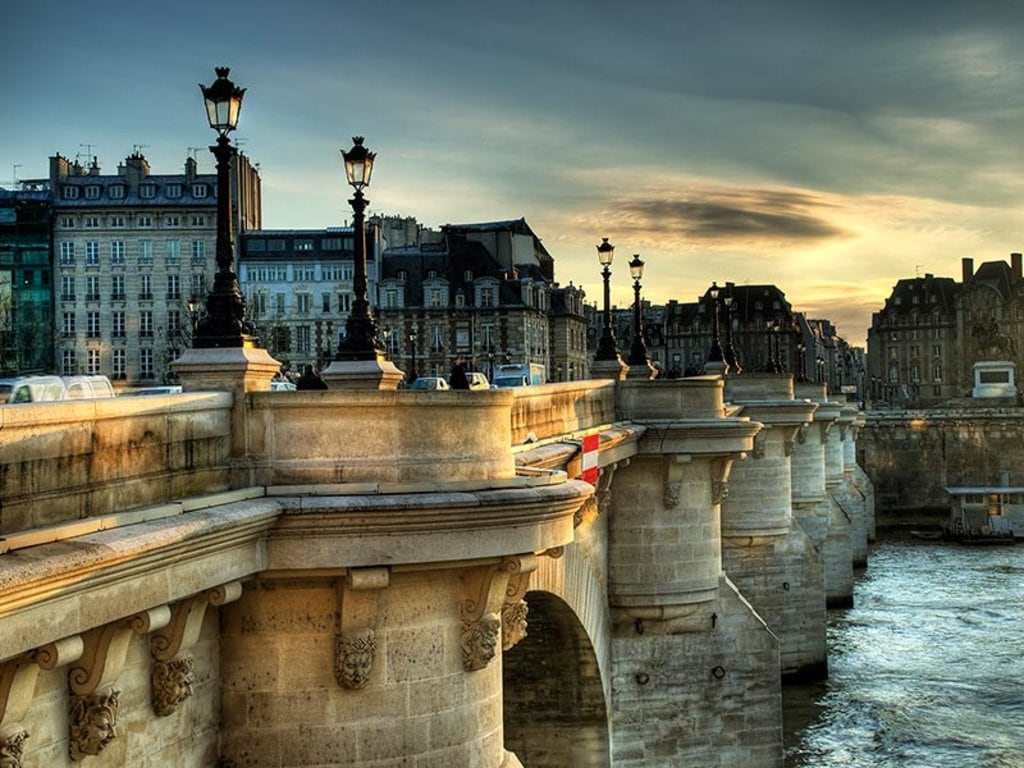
<point x="997" y="275"/>
<point x="924" y="294"/>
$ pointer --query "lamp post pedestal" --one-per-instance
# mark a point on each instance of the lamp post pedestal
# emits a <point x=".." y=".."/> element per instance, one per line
<point x="609" y="369"/>
<point x="380" y="373"/>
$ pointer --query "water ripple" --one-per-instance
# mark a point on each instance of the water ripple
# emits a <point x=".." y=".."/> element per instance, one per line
<point x="927" y="668"/>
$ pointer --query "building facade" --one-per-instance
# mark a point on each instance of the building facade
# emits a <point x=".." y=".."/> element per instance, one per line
<point x="298" y="289"/>
<point x="481" y="291"/>
<point x="134" y="254"/>
<point x="26" y="282"/>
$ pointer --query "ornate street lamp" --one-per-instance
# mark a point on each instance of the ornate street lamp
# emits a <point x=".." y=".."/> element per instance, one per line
<point x="637" y="350"/>
<point x="801" y="367"/>
<point x="606" y="349"/>
<point x="360" y="342"/>
<point x="716" y="356"/>
<point x="412" y="371"/>
<point x="731" y="359"/>
<point x="224" y="324"/>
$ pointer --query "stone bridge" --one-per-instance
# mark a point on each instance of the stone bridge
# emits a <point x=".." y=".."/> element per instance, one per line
<point x="390" y="578"/>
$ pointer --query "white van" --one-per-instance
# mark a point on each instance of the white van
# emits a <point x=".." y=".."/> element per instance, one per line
<point x="32" y="389"/>
<point x="87" y="387"/>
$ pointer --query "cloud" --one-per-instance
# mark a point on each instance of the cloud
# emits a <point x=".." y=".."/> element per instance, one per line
<point x="720" y="217"/>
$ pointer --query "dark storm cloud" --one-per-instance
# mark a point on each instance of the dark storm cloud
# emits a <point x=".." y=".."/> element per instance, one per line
<point x="767" y="215"/>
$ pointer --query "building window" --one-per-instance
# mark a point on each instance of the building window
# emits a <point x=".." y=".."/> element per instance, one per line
<point x="117" y="253"/>
<point x="198" y="221"/>
<point x="200" y="190"/>
<point x="279" y="304"/>
<point x="173" y="287"/>
<point x="118" y="365"/>
<point x="325" y="302"/>
<point x="117" y="222"/>
<point x="92" y="325"/>
<point x="172" y="252"/>
<point x="303" y="337"/>
<point x="275" y="245"/>
<point x="146" y="323"/>
<point x="145" y="287"/>
<point x="70" y="193"/>
<point x="436" y="339"/>
<point x="117" y="324"/>
<point x="67" y="222"/>
<point x="303" y="245"/>
<point x="146" y="363"/>
<point x="92" y="288"/>
<point x="172" y="220"/>
<point x="145" y="252"/>
<point x="117" y="192"/>
<point x="344" y="302"/>
<point x="198" y="291"/>
<point x="92" y="253"/>
<point x="67" y="254"/>
<point x="460" y="300"/>
<point x="92" y="192"/>
<point x="391" y="298"/>
<point x="305" y="273"/>
<point x="305" y="303"/>
<point x="67" y="287"/>
<point x="117" y="287"/>
<point x="92" y="222"/>
<point x="173" y="321"/>
<point x="198" y="252"/>
<point x="330" y="244"/>
<point x="68" y="362"/>
<point x="145" y="222"/>
<point x="174" y="191"/>
<point x="68" y="324"/>
<point x="486" y="297"/>
<point x="435" y="298"/>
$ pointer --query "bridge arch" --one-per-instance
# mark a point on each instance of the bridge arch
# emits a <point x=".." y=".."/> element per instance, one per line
<point x="555" y="712"/>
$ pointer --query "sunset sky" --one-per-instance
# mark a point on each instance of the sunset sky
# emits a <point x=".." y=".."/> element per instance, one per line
<point x="831" y="148"/>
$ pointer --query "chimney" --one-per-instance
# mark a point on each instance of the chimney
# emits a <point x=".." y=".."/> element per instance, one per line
<point x="94" y="167"/>
<point x="191" y="170"/>
<point x="968" y="267"/>
<point x="1015" y="265"/>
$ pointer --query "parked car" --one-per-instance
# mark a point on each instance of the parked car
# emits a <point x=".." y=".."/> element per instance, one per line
<point x="503" y="382"/>
<point x="430" y="383"/>
<point x="32" y="389"/>
<point x="476" y="380"/>
<point x="169" y="389"/>
<point x="87" y="387"/>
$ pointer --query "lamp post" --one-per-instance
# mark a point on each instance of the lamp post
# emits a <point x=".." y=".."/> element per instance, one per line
<point x="360" y="342"/>
<point x="606" y="345"/>
<point x="224" y="324"/>
<point x="716" y="357"/>
<point x="731" y="358"/>
<point x="412" y="370"/>
<point x="801" y="365"/>
<point x="637" y="350"/>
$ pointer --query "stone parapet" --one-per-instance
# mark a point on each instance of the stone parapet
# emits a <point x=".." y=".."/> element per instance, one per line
<point x="325" y="437"/>
<point x="559" y="409"/>
<point x="85" y="458"/>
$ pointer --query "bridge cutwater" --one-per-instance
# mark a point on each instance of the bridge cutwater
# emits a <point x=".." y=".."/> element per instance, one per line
<point x="233" y="577"/>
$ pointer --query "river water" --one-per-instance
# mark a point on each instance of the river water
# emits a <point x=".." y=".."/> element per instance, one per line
<point x="926" y="670"/>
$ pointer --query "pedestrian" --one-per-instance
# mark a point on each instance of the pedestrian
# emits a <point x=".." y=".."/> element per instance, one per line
<point x="458" y="378"/>
<point x="310" y="379"/>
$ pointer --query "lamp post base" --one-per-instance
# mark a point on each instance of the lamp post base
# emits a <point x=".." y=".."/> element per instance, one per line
<point x="362" y="374"/>
<point x="609" y="369"/>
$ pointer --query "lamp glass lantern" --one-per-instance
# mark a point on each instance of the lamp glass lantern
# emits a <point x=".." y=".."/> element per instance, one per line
<point x="223" y="102"/>
<point x="358" y="163"/>
<point x="636" y="267"/>
<point x="605" y="252"/>
<point x="714" y="291"/>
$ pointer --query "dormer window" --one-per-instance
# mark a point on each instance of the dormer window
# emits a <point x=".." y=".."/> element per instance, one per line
<point x="403" y="275"/>
<point x="70" y="193"/>
<point x="468" y="275"/>
<point x="174" y="190"/>
<point x="200" y="190"/>
<point x="147" y="191"/>
<point x="92" y="192"/>
<point x="117" y="192"/>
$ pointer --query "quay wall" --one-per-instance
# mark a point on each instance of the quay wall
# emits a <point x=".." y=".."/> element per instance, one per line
<point x="911" y="456"/>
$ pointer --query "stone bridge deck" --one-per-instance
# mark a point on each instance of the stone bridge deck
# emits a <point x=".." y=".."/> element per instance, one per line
<point x="421" y="579"/>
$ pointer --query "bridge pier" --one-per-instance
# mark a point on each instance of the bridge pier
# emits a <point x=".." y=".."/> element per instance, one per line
<point x="814" y="505"/>
<point x="856" y="474"/>
<point x="766" y="554"/>
<point x="688" y="652"/>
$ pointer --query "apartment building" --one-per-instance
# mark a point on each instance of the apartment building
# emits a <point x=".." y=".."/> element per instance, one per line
<point x="133" y="258"/>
